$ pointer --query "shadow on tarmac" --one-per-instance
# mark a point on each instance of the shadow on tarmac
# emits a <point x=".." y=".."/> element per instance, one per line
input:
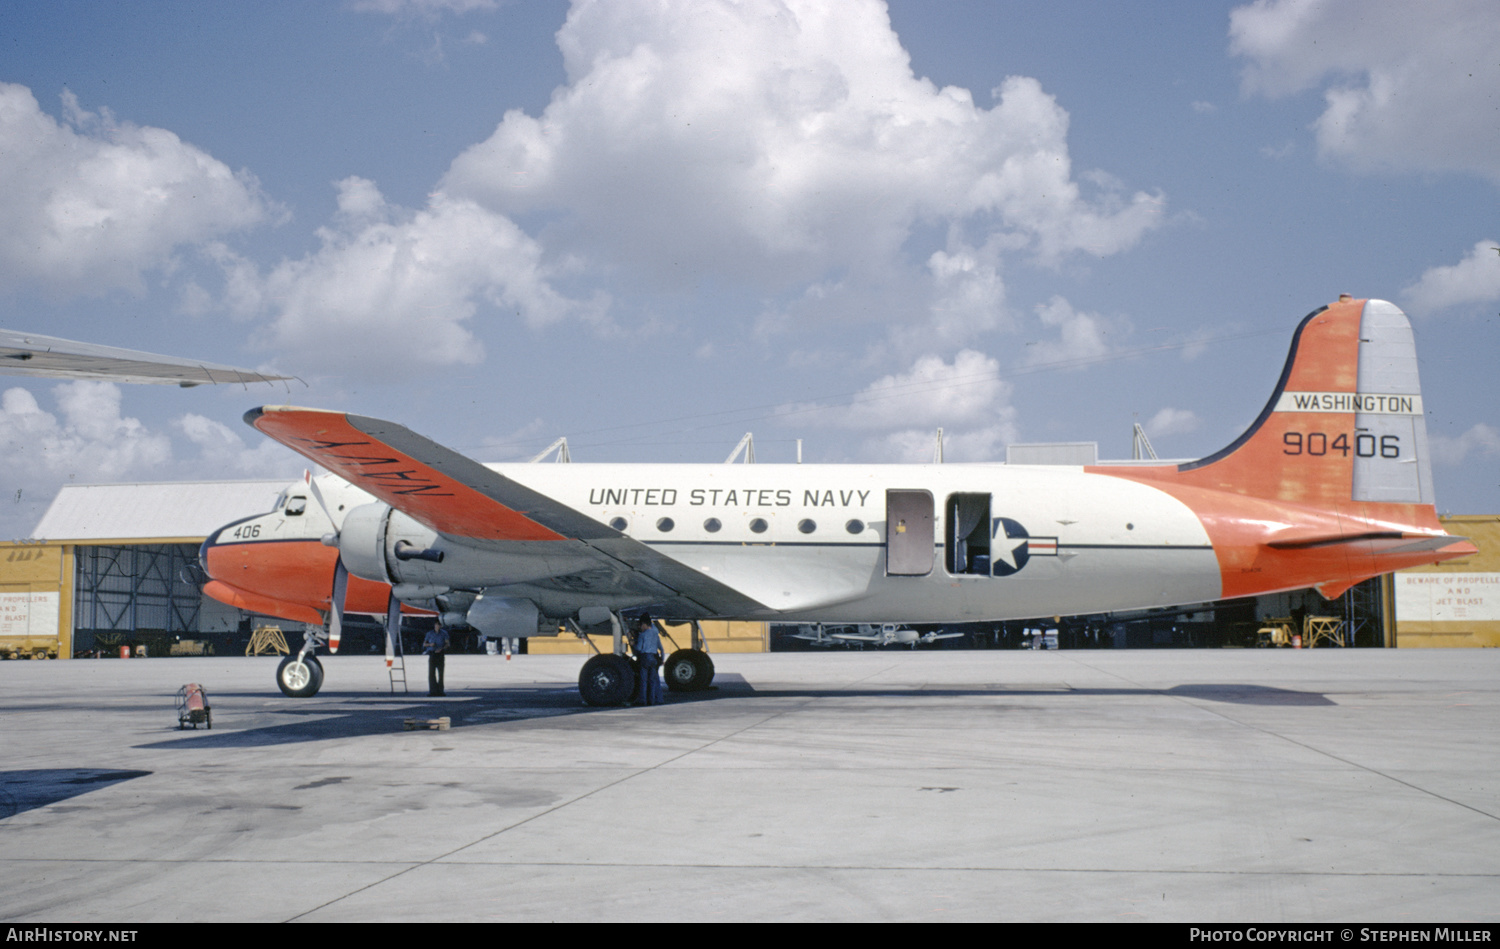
<point x="334" y="715"/>
<point x="24" y="790"/>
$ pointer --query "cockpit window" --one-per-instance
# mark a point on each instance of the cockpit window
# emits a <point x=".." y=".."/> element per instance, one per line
<point x="296" y="506"/>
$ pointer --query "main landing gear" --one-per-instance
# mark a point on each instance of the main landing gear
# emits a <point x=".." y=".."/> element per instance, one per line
<point x="607" y="679"/>
<point x="689" y="670"/>
<point x="611" y="678"/>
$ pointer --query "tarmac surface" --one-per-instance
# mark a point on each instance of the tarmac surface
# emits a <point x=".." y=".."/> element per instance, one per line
<point x="1158" y="785"/>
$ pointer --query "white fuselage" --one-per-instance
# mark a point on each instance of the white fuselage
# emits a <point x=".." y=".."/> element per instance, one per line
<point x="1090" y="542"/>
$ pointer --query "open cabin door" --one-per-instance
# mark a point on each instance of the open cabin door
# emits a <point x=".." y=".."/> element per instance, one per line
<point x="967" y="541"/>
<point x="909" y="533"/>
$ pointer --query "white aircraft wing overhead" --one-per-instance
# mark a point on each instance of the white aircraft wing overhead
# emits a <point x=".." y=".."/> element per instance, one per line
<point x="31" y="354"/>
<point x="460" y="498"/>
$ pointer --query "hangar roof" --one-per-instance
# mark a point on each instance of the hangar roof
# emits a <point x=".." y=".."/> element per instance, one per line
<point x="145" y="512"/>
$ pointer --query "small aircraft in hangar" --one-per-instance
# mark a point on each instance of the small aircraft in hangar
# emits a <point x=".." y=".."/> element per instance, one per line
<point x="1329" y="486"/>
<point x="869" y="634"/>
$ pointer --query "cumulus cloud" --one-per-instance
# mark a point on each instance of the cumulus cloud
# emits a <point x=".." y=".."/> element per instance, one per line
<point x="969" y="297"/>
<point x="1407" y="86"/>
<point x="778" y="143"/>
<point x="91" y="203"/>
<point x="89" y="439"/>
<point x="1080" y="336"/>
<point x="900" y="413"/>
<point x="1475" y="279"/>
<point x="1452" y="451"/>
<point x="393" y="286"/>
<point x="1170" y="421"/>
<point x="222" y="452"/>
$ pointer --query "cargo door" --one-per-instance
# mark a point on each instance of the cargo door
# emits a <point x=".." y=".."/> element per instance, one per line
<point x="909" y="533"/>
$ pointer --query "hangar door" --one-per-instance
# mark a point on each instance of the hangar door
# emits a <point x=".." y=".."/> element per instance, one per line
<point x="908" y="533"/>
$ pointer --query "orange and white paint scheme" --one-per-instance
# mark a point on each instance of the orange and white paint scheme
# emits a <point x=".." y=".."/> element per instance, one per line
<point x="1330" y="486"/>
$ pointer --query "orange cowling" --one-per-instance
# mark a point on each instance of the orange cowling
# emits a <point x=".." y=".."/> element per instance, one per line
<point x="255" y="603"/>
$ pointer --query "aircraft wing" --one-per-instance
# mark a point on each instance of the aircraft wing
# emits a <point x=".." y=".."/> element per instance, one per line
<point x="31" y="354"/>
<point x="458" y="497"/>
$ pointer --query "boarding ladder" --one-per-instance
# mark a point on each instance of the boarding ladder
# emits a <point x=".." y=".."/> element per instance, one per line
<point x="395" y="661"/>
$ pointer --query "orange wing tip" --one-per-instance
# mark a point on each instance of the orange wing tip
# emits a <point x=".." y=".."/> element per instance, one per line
<point x="252" y="416"/>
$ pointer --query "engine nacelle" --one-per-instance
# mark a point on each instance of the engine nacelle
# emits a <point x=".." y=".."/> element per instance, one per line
<point x="504" y="617"/>
<point x="384" y="545"/>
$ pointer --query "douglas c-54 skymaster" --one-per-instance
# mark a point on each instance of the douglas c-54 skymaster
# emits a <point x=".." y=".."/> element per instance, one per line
<point x="1329" y="486"/>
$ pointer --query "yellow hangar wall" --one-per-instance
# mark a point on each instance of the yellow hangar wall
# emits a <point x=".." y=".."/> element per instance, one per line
<point x="718" y="636"/>
<point x="1455" y="603"/>
<point x="36" y="601"/>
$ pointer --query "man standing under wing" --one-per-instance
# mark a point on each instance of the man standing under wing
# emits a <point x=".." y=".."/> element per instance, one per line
<point x="435" y="646"/>
<point x="648" y="654"/>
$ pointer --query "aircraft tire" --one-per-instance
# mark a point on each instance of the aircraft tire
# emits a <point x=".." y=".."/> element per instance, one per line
<point x="606" y="680"/>
<point x="689" y="670"/>
<point x="299" y="678"/>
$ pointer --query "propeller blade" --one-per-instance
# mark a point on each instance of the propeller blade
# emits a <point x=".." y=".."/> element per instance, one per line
<point x="392" y="630"/>
<point x="336" y="613"/>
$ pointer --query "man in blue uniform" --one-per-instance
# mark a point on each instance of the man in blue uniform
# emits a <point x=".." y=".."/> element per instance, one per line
<point x="436" y="648"/>
<point x="648" y="654"/>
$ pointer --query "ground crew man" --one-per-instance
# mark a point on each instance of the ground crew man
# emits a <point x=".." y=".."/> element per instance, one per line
<point x="648" y="654"/>
<point x="436" y="648"/>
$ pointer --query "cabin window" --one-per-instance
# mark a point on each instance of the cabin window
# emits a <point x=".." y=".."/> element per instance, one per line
<point x="807" y="525"/>
<point x="758" y="525"/>
<point x="855" y="526"/>
<point x="712" y="525"/>
<point x="966" y="539"/>
<point x="619" y="524"/>
<point x="665" y="525"/>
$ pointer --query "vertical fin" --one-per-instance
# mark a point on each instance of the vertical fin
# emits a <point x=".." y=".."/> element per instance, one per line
<point x="1332" y="483"/>
<point x="1344" y="424"/>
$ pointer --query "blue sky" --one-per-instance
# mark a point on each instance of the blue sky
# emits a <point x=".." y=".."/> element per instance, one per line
<point x="652" y="227"/>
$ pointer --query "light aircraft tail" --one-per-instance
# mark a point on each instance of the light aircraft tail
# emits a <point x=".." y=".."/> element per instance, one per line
<point x="1331" y="484"/>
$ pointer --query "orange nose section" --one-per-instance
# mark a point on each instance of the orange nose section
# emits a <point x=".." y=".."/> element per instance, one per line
<point x="292" y="579"/>
<point x="300" y="571"/>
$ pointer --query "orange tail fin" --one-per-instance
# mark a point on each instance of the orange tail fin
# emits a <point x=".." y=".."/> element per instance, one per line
<point x="1332" y="483"/>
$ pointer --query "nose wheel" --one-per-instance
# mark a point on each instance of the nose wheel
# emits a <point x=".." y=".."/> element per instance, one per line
<point x="300" y="677"/>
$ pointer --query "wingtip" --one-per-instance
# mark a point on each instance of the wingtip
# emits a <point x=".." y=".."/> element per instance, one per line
<point x="254" y="415"/>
